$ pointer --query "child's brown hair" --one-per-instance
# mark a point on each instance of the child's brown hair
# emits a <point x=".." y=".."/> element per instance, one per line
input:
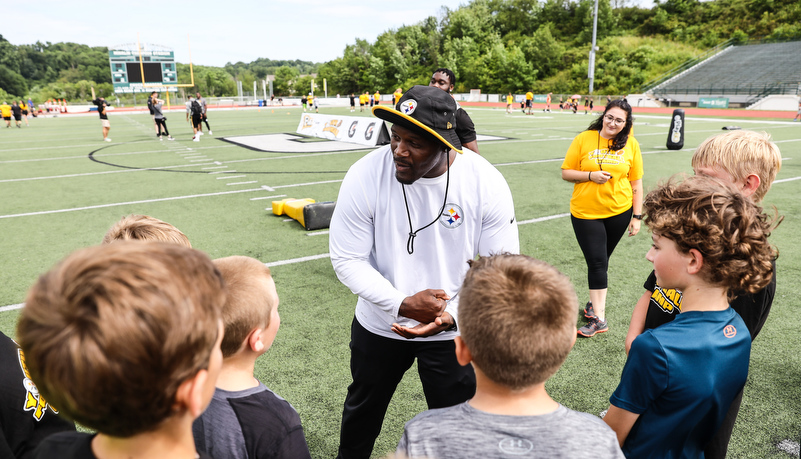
<point x="727" y="228"/>
<point x="145" y="228"/>
<point x="517" y="316"/>
<point x="112" y="331"/>
<point x="248" y="304"/>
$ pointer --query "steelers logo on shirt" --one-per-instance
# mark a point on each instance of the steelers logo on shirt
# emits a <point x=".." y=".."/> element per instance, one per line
<point x="452" y="217"/>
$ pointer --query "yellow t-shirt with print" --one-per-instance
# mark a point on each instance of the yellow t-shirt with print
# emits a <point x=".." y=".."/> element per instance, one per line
<point x="589" y="152"/>
<point x="5" y="111"/>
<point x="529" y="96"/>
<point x="376" y="97"/>
<point x="509" y="99"/>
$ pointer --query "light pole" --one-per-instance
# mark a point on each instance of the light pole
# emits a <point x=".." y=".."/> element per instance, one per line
<point x="591" y="70"/>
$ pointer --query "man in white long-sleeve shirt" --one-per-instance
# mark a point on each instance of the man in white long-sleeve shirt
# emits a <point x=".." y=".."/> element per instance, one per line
<point x="409" y="216"/>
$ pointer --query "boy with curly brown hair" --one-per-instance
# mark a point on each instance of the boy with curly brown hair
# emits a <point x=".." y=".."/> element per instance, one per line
<point x="709" y="240"/>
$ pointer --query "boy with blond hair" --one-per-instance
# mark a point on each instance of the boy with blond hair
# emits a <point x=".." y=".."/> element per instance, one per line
<point x="518" y="324"/>
<point x="709" y="241"/>
<point x="125" y="339"/>
<point x="246" y="419"/>
<point x="749" y="161"/>
<point x="145" y="228"/>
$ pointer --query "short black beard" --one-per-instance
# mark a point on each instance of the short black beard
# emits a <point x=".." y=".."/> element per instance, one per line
<point x="403" y="182"/>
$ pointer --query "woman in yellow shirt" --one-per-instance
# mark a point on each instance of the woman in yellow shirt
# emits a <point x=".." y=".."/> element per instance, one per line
<point x="605" y="164"/>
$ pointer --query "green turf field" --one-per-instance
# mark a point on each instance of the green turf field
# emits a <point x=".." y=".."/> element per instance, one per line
<point x="55" y="200"/>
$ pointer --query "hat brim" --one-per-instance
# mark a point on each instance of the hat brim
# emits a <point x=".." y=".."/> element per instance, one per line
<point x="396" y="117"/>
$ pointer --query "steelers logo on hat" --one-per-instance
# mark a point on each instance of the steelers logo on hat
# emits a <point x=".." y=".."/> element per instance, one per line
<point x="408" y="106"/>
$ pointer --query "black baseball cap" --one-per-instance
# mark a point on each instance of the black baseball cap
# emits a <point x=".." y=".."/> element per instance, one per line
<point x="425" y="108"/>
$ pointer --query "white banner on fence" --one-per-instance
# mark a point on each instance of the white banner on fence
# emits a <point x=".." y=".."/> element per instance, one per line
<point x="355" y="129"/>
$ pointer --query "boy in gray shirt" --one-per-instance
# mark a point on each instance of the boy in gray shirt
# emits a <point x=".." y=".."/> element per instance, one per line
<point x="517" y="318"/>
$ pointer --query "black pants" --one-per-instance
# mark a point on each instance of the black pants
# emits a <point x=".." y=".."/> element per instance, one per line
<point x="161" y="125"/>
<point x="205" y="120"/>
<point x="377" y="365"/>
<point x="598" y="239"/>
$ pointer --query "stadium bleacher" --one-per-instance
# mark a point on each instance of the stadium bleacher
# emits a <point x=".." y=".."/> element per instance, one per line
<point x="743" y="74"/>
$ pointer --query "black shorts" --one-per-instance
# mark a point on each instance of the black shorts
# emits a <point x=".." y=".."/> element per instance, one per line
<point x="528" y="103"/>
<point x="196" y="121"/>
<point x="25" y="112"/>
<point x="17" y="117"/>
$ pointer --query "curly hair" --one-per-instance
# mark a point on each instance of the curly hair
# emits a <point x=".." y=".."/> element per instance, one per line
<point x="727" y="228"/>
<point x="622" y="137"/>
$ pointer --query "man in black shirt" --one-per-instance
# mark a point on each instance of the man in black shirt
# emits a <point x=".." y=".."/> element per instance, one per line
<point x="445" y="79"/>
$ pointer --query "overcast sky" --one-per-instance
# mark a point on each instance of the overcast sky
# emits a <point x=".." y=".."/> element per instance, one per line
<point x="219" y="31"/>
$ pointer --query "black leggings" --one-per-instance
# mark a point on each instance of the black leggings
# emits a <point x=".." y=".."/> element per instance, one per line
<point x="598" y="239"/>
<point x="161" y="124"/>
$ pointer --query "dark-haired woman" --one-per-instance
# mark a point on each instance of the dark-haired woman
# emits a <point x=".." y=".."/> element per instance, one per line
<point x="605" y="164"/>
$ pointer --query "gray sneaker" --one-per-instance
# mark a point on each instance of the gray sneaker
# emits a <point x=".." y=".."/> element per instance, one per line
<point x="593" y="327"/>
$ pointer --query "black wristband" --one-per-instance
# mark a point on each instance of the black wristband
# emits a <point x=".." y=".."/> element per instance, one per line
<point x="637" y="216"/>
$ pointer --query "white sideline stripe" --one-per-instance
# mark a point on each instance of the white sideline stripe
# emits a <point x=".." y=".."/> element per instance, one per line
<point x="99" y="155"/>
<point x="297" y="260"/>
<point x="308" y="183"/>
<point x="542" y="219"/>
<point x="240" y="183"/>
<point x="215" y="167"/>
<point x="268" y="197"/>
<point x="101" y="206"/>
<point x="791" y="179"/>
<point x="85" y="174"/>
<point x="317" y="233"/>
<point x="231" y="176"/>
<point x="12" y="307"/>
<point x="790" y="447"/>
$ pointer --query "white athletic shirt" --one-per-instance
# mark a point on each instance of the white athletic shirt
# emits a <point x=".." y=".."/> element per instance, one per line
<point x="369" y="231"/>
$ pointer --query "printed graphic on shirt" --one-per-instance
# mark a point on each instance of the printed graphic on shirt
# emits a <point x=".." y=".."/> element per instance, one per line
<point x="452" y="216"/>
<point x="34" y="401"/>
<point x="668" y="299"/>
<point x="515" y="446"/>
<point x="605" y="156"/>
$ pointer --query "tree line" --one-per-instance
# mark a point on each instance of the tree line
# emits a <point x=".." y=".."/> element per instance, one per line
<point x="497" y="46"/>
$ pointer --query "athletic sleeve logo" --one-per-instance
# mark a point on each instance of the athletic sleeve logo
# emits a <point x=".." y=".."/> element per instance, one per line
<point x="34" y="401"/>
<point x="729" y="331"/>
<point x="408" y="106"/>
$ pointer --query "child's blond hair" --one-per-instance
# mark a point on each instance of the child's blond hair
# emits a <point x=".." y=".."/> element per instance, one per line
<point x="145" y="228"/>
<point x="742" y="153"/>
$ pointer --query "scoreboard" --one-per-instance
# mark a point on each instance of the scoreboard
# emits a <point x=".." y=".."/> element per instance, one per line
<point x="126" y="71"/>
